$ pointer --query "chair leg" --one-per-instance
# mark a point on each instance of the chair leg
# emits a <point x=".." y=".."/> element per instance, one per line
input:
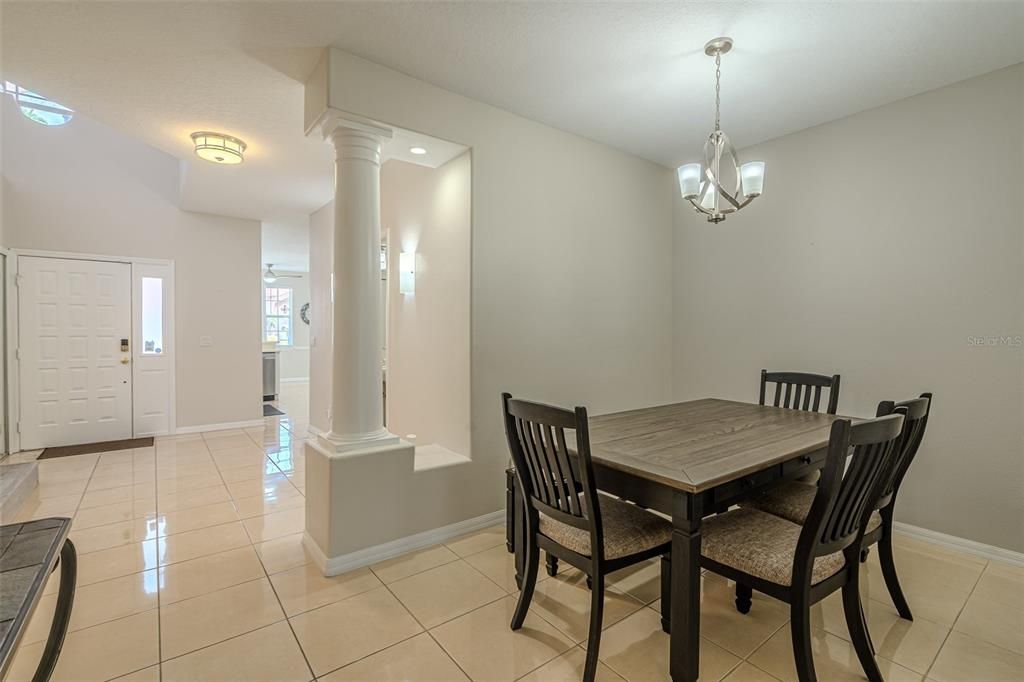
<point x="855" y="623"/>
<point x="886" y="559"/>
<point x="666" y="593"/>
<point x="551" y="562"/>
<point x="532" y="560"/>
<point x="864" y="554"/>
<point x="596" y="619"/>
<point x="800" y="627"/>
<point x="744" y="597"/>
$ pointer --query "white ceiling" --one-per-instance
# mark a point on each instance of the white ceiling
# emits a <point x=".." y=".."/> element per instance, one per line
<point x="632" y="75"/>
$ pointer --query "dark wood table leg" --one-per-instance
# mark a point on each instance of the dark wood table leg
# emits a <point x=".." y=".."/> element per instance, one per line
<point x="684" y="653"/>
<point x="62" y="614"/>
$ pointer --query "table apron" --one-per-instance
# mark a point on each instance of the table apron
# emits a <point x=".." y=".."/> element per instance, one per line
<point x="658" y="496"/>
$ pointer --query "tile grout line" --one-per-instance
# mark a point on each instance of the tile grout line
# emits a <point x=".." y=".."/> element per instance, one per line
<point x="159" y="570"/>
<point x="77" y="509"/>
<point x="424" y="629"/>
<point x="263" y="566"/>
<point x="428" y="630"/>
<point x="251" y="544"/>
<point x="953" y="624"/>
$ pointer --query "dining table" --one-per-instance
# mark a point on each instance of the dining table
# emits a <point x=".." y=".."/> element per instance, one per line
<point x="689" y="460"/>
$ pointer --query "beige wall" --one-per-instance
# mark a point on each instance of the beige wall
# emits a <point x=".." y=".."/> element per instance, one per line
<point x="883" y="243"/>
<point x="321" y="329"/>
<point x="427" y="211"/>
<point x="86" y="188"/>
<point x="571" y="274"/>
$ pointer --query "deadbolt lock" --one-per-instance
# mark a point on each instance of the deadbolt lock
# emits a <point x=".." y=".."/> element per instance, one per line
<point x="124" y="345"/>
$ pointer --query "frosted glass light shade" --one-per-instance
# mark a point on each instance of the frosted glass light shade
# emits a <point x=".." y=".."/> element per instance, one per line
<point x="752" y="174"/>
<point x="407" y="272"/>
<point x="218" y="148"/>
<point x="689" y="180"/>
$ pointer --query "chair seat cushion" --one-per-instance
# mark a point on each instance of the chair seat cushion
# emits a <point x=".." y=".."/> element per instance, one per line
<point x="761" y="545"/>
<point x="628" y="529"/>
<point x="792" y="501"/>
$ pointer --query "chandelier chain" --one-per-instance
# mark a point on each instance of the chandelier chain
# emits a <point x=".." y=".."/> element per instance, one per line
<point x="718" y="90"/>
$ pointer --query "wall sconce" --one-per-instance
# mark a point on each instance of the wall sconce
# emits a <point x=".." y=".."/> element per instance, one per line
<point x="407" y="272"/>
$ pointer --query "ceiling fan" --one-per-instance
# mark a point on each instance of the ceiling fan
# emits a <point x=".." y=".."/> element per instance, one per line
<point x="269" y="276"/>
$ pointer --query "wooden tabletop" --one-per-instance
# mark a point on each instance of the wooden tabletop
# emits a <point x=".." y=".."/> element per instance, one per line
<point x="696" y="445"/>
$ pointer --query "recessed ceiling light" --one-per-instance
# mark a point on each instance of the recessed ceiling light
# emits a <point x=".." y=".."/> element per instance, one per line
<point x="218" y="147"/>
<point x="418" y="151"/>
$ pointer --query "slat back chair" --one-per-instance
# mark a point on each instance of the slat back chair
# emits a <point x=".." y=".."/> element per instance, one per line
<point x="793" y="500"/>
<point x="827" y="547"/>
<point x="917" y="410"/>
<point x="553" y="485"/>
<point x="800" y="390"/>
<point x="880" y="529"/>
<point x="564" y="515"/>
<point x="846" y="498"/>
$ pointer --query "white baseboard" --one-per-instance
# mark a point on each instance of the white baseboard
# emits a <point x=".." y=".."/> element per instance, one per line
<point x="371" y="555"/>
<point x="295" y="380"/>
<point x="959" y="544"/>
<point x="252" y="423"/>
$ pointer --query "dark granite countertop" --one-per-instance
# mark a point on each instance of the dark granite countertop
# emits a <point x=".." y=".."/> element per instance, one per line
<point x="28" y="553"/>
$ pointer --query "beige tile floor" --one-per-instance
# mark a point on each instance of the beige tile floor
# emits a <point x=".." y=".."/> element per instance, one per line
<point x="191" y="568"/>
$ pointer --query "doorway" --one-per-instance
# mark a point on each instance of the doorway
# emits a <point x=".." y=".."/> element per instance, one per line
<point x="94" y="343"/>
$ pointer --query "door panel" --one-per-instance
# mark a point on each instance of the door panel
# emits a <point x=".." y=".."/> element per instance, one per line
<point x="153" y="349"/>
<point x="75" y="380"/>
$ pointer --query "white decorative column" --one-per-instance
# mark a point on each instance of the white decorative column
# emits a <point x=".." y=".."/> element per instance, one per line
<point x="357" y="415"/>
<point x="343" y="464"/>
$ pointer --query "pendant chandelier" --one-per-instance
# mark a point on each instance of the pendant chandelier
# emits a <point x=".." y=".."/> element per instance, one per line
<point x="702" y="183"/>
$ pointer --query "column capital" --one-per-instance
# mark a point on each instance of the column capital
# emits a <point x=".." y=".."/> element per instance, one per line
<point x="334" y="121"/>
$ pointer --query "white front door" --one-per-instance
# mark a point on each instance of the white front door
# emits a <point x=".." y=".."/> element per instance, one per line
<point x="75" y="378"/>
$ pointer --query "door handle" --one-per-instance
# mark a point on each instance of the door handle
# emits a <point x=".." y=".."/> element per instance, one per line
<point x="125" y="361"/>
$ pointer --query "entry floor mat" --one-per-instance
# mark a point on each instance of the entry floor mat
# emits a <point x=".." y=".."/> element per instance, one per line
<point x="92" y="448"/>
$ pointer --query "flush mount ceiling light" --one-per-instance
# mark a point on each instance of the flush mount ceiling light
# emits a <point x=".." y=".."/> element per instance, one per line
<point x="418" y="151"/>
<point x="701" y="183"/>
<point x="218" y="147"/>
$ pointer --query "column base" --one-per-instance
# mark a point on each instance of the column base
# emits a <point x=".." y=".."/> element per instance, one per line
<point x="341" y="443"/>
<point x="350" y="486"/>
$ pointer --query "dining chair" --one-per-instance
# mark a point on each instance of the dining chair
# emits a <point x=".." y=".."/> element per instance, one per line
<point x="567" y="518"/>
<point x="792" y="500"/>
<point x="794" y="390"/>
<point x="801" y="565"/>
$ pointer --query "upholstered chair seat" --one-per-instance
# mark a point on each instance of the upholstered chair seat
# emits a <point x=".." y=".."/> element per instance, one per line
<point x="628" y="529"/>
<point x="792" y="501"/>
<point x="761" y="545"/>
